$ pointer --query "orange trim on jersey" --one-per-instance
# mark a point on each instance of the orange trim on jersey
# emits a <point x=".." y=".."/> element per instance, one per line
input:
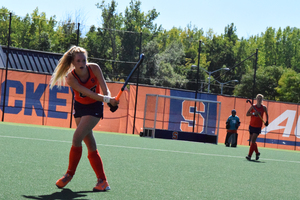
<point x="92" y="84"/>
<point x="255" y="120"/>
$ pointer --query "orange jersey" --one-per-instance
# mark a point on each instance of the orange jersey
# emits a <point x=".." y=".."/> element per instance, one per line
<point x="92" y="84"/>
<point x="255" y="120"/>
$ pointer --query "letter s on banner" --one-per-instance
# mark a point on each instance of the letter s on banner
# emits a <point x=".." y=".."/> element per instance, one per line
<point x="175" y="135"/>
<point x="187" y="113"/>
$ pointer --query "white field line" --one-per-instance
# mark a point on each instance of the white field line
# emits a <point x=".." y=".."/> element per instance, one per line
<point x="149" y="149"/>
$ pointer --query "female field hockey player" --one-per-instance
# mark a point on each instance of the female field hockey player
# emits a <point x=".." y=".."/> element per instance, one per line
<point x="256" y="112"/>
<point x="85" y="79"/>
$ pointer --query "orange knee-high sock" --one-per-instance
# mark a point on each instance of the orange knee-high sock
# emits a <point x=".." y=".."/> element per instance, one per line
<point x="255" y="148"/>
<point x="97" y="165"/>
<point x="251" y="149"/>
<point x="74" y="158"/>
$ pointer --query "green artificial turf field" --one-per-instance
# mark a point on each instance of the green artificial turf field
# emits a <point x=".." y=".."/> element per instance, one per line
<point x="34" y="157"/>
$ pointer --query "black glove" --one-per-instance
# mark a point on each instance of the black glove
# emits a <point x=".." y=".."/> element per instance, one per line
<point x="267" y="123"/>
<point x="227" y="125"/>
<point x="237" y="125"/>
<point x="113" y="108"/>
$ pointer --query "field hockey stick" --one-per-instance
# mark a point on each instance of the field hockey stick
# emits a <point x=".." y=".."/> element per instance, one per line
<point x="114" y="108"/>
<point x="248" y="101"/>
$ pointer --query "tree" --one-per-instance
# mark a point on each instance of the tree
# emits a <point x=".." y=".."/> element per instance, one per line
<point x="30" y="32"/>
<point x="167" y="77"/>
<point x="242" y="52"/>
<point x="111" y="21"/>
<point x="288" y="49"/>
<point x="269" y="47"/>
<point x="266" y="82"/>
<point x="135" y="22"/>
<point x="279" y="60"/>
<point x="65" y="36"/>
<point x="104" y="42"/>
<point x="150" y="68"/>
<point x="169" y="67"/>
<point x="295" y="37"/>
<point x="288" y="86"/>
<point x="230" y="33"/>
<point x="220" y="52"/>
<point x="4" y="25"/>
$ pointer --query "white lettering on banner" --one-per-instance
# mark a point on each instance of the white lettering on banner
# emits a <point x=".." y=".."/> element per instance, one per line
<point x="274" y="125"/>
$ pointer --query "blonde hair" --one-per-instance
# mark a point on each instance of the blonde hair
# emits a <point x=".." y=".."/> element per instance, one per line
<point x="64" y="66"/>
<point x="260" y="95"/>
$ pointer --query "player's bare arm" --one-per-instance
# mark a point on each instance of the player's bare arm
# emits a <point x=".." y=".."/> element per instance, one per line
<point x="98" y="73"/>
<point x="249" y="113"/>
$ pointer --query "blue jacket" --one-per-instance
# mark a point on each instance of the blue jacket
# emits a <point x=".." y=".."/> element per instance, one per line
<point x="234" y="122"/>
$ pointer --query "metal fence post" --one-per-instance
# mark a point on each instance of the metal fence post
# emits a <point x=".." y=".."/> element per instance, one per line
<point x="6" y="67"/>
<point x="137" y="85"/>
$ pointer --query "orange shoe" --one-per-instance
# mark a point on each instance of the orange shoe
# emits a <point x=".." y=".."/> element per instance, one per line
<point x="63" y="181"/>
<point x="101" y="186"/>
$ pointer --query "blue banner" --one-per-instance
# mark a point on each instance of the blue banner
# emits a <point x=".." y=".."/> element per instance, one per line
<point x="182" y="113"/>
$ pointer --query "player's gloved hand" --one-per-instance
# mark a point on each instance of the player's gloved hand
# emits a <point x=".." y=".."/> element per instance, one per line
<point x="237" y="125"/>
<point x="112" y="108"/>
<point x="267" y="123"/>
<point x="227" y="125"/>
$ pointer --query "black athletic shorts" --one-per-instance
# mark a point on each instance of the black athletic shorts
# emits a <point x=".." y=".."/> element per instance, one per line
<point x="254" y="130"/>
<point x="94" y="109"/>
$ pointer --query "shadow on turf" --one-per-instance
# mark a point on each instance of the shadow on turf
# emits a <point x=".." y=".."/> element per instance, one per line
<point x="63" y="194"/>
<point x="256" y="161"/>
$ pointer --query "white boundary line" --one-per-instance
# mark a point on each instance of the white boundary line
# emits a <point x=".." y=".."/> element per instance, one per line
<point x="149" y="149"/>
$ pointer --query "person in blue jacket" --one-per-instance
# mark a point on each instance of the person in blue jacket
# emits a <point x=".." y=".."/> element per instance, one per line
<point x="232" y="124"/>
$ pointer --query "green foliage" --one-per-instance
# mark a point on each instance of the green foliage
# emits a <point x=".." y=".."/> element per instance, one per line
<point x="33" y="31"/>
<point x="150" y="67"/>
<point x="170" y="66"/>
<point x="267" y="80"/>
<point x="4" y="24"/>
<point x="167" y="77"/>
<point x="105" y="42"/>
<point x="288" y="86"/>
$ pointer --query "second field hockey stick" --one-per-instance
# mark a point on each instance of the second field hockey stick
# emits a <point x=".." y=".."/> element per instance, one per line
<point x="249" y="101"/>
<point x="114" y="108"/>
